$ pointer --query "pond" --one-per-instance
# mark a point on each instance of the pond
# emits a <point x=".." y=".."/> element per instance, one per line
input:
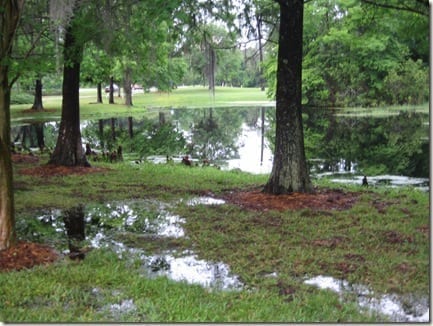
<point x="391" y="151"/>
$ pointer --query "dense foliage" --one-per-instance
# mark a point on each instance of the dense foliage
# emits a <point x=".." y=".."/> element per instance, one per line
<point x="355" y="53"/>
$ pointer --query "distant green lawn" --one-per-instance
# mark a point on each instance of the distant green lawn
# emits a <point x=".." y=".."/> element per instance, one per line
<point x="183" y="97"/>
<point x="191" y="97"/>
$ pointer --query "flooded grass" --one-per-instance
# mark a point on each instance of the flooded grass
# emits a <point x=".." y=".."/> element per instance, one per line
<point x="102" y="288"/>
<point x="149" y="224"/>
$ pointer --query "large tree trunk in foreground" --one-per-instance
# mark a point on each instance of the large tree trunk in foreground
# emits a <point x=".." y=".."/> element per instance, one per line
<point x="289" y="170"/>
<point x="7" y="217"/>
<point x="69" y="149"/>
<point x="9" y="17"/>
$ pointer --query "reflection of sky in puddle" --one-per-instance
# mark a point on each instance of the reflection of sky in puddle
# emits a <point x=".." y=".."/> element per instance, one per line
<point x="151" y="217"/>
<point x="193" y="270"/>
<point x="390" y="305"/>
<point x="157" y="221"/>
<point x="205" y="201"/>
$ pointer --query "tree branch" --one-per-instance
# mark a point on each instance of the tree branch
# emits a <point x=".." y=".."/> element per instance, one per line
<point x="401" y="7"/>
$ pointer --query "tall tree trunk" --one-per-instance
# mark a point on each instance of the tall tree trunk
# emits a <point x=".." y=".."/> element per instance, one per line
<point x="289" y="170"/>
<point x="127" y="89"/>
<point x="99" y="93"/>
<point x="259" y="32"/>
<point x="37" y="104"/>
<point x="7" y="217"/>
<point x="9" y="17"/>
<point x="69" y="148"/>
<point x="111" y="93"/>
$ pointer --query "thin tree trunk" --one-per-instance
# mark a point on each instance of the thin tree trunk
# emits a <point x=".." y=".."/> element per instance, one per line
<point x="99" y="93"/>
<point x="111" y="93"/>
<point x="127" y="86"/>
<point x="9" y="17"/>
<point x="289" y="170"/>
<point x="259" y="32"/>
<point x="69" y="148"/>
<point x="37" y="104"/>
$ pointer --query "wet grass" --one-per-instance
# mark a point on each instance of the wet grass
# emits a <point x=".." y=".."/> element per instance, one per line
<point x="383" y="247"/>
<point x="94" y="288"/>
<point x="381" y="242"/>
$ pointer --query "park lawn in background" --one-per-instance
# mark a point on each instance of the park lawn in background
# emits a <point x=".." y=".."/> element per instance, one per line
<point x="190" y="97"/>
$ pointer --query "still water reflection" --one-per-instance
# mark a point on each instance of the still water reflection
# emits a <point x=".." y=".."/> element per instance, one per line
<point x="109" y="225"/>
<point x="238" y="138"/>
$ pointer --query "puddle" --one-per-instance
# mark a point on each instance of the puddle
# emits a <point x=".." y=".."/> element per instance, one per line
<point x="205" y="201"/>
<point x="153" y="218"/>
<point x="397" y="308"/>
<point x="117" y="310"/>
<point x="380" y="180"/>
<point x="192" y="270"/>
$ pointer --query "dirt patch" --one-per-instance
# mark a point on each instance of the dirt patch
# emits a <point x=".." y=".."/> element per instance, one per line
<point x="320" y="199"/>
<point x="24" y="158"/>
<point x="26" y="255"/>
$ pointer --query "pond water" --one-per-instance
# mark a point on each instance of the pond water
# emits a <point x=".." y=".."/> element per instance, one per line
<point x="391" y="151"/>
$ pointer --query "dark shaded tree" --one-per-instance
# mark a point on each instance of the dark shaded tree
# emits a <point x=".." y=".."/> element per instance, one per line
<point x="69" y="150"/>
<point x="289" y="170"/>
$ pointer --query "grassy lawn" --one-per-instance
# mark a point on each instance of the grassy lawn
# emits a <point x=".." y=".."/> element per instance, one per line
<point x="191" y="97"/>
<point x="380" y="242"/>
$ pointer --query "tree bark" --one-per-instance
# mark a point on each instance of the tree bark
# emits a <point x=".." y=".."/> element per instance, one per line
<point x="9" y="17"/>
<point x="69" y="149"/>
<point x="99" y="93"/>
<point x="289" y="170"/>
<point x="111" y="93"/>
<point x="7" y="212"/>
<point x="37" y="104"/>
<point x="127" y="89"/>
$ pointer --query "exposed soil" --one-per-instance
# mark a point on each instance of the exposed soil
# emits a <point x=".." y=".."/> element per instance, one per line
<point x="27" y="255"/>
<point x="320" y="199"/>
<point x="48" y="170"/>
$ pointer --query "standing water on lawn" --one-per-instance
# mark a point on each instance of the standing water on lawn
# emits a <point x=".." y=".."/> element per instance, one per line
<point x="143" y="229"/>
<point x="390" y="150"/>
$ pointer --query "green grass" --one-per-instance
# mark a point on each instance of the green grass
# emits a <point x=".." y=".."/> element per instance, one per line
<point x="191" y="97"/>
<point x="382" y="111"/>
<point x="84" y="292"/>
<point x="379" y="243"/>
